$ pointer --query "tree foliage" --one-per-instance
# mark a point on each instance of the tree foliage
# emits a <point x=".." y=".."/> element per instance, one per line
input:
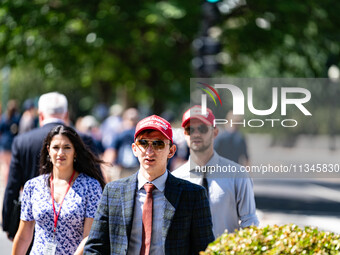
<point x="140" y="52"/>
<point x="282" y="38"/>
<point x="97" y="47"/>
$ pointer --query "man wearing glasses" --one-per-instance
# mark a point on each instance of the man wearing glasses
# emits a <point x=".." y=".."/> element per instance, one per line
<point x="230" y="194"/>
<point x="151" y="212"/>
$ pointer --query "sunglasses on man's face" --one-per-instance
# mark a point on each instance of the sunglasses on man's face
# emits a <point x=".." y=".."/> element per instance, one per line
<point x="203" y="129"/>
<point x="157" y="145"/>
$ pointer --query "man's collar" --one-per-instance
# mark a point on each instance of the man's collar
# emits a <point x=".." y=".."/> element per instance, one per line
<point x="159" y="182"/>
<point x="212" y="161"/>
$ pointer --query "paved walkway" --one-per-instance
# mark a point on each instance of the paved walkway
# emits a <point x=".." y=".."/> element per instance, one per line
<point x="325" y="223"/>
<point x="2" y="190"/>
<point x="5" y="244"/>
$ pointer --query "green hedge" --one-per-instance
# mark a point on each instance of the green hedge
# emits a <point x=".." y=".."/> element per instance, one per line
<point x="270" y="240"/>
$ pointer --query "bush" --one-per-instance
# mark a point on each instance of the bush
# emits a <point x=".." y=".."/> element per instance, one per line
<point x="270" y="240"/>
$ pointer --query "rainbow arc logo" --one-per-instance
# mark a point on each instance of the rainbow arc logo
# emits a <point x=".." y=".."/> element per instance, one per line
<point x="210" y="94"/>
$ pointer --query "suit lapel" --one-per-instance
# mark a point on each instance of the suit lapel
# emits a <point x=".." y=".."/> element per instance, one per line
<point x="172" y="194"/>
<point x="128" y="192"/>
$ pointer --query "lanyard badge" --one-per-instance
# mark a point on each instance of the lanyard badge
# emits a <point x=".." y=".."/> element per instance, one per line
<point x="50" y="248"/>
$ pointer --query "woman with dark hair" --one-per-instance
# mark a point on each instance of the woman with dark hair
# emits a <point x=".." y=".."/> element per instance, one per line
<point x="60" y="204"/>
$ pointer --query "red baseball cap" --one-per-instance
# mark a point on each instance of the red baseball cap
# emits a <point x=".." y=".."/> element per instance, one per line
<point x="155" y="122"/>
<point x="195" y="112"/>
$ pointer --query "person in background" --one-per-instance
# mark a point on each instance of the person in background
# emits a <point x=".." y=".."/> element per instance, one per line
<point x="9" y="126"/>
<point x="231" y="195"/>
<point x="231" y="144"/>
<point x="26" y="147"/>
<point x="182" y="151"/>
<point x="151" y="212"/>
<point x="112" y="125"/>
<point x="29" y="118"/>
<point x="120" y="153"/>
<point x="100" y="111"/>
<point x="60" y="204"/>
<point x="89" y="125"/>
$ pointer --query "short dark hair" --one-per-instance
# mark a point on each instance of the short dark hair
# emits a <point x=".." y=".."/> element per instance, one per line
<point x="86" y="162"/>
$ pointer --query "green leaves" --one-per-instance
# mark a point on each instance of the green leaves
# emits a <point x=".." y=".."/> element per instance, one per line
<point x="147" y="44"/>
<point x="103" y="46"/>
<point x="270" y="240"/>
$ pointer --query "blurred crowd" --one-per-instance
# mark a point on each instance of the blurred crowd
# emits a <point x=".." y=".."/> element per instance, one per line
<point x="112" y="129"/>
<point x="13" y="122"/>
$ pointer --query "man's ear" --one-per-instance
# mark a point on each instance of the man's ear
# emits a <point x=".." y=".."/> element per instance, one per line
<point x="134" y="148"/>
<point x="172" y="151"/>
<point x="41" y="119"/>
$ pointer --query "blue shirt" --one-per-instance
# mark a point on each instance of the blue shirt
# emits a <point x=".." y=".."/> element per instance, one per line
<point x="8" y="130"/>
<point x="157" y="243"/>
<point x="231" y="195"/>
<point x="122" y="144"/>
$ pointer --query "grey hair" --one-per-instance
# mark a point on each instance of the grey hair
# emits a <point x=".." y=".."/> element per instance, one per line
<point x="53" y="103"/>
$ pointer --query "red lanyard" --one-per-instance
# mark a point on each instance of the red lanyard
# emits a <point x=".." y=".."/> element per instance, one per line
<point x="56" y="216"/>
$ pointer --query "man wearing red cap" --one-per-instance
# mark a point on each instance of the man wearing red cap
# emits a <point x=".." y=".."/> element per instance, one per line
<point x="151" y="212"/>
<point x="230" y="194"/>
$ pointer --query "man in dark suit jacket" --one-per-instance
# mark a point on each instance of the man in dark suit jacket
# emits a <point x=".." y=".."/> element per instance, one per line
<point x="26" y="149"/>
<point x="181" y="219"/>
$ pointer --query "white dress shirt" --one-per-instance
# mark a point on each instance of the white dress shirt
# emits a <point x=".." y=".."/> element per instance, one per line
<point x="157" y="242"/>
<point x="52" y="120"/>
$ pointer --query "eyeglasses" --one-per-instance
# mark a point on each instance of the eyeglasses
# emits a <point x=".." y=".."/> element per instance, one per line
<point x="203" y="129"/>
<point x="157" y="145"/>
